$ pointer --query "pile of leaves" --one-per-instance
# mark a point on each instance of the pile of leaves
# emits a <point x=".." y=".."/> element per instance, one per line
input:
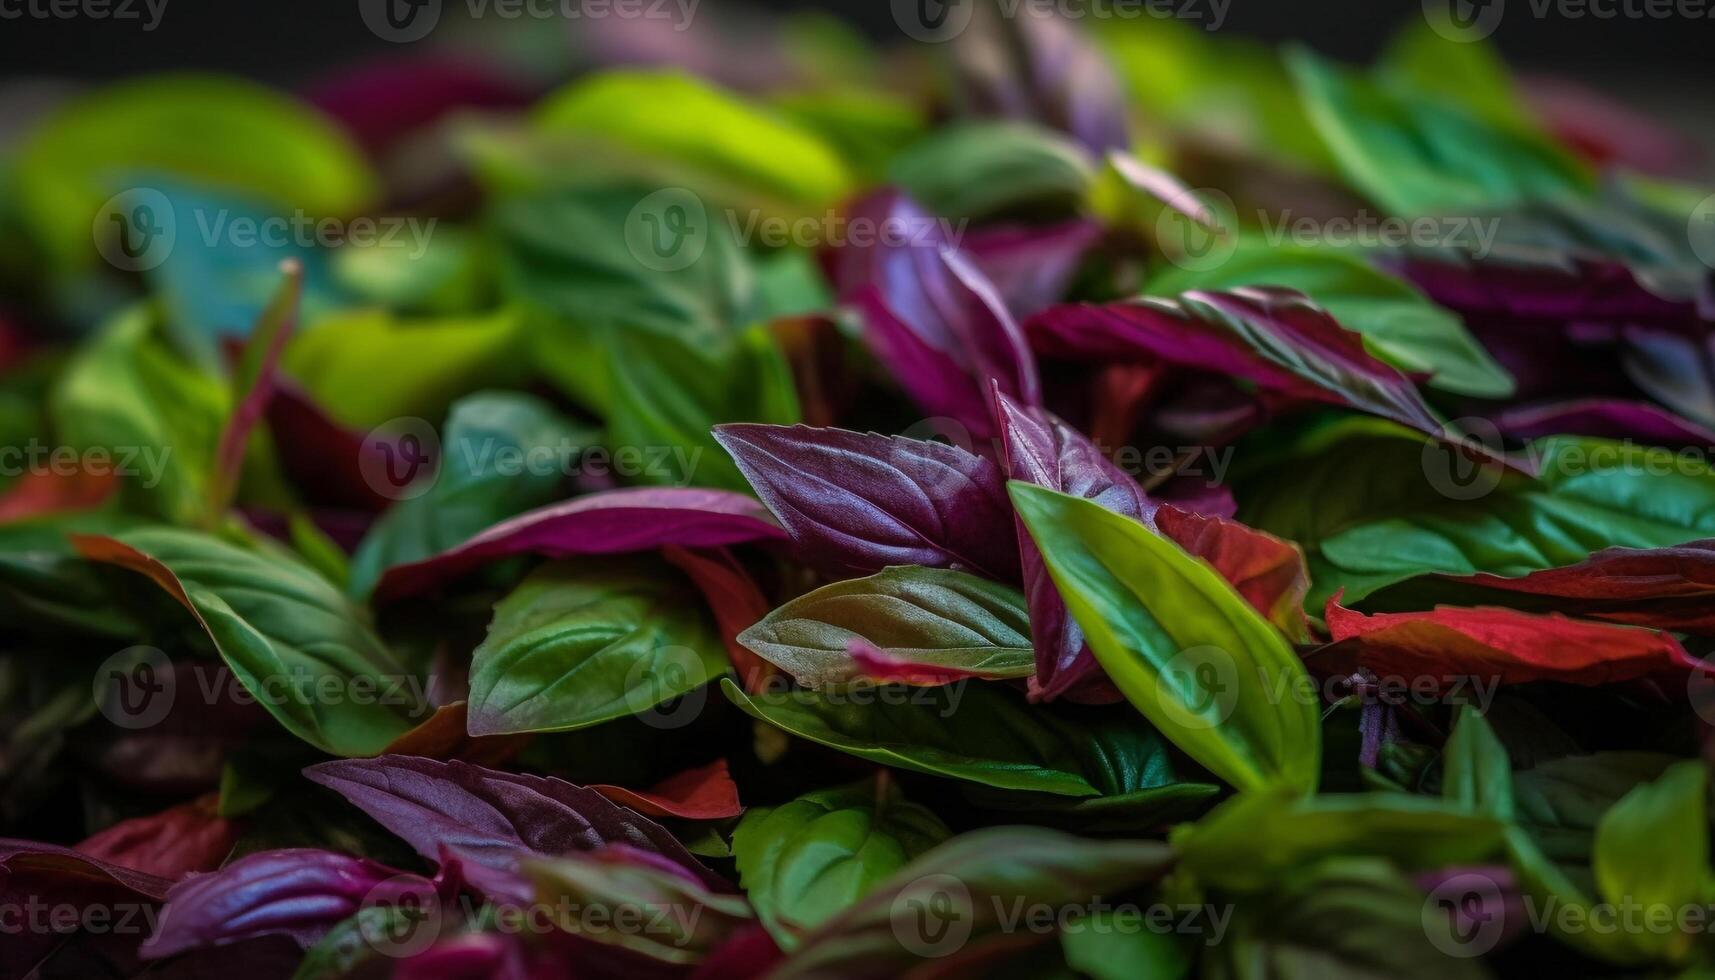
<point x="856" y="512"/>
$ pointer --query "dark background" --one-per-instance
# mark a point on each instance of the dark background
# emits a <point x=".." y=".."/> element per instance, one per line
<point x="1664" y="65"/>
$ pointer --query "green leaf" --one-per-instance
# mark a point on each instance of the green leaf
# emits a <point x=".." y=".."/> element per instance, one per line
<point x="1188" y="652"/>
<point x="958" y="897"/>
<point x="356" y="941"/>
<point x="158" y="417"/>
<point x="1592" y="494"/>
<point x="1106" y="946"/>
<point x="974" y="731"/>
<point x="1398" y="323"/>
<point x="1560" y="802"/>
<point x="368" y="367"/>
<point x="1255" y="840"/>
<point x="1346" y="919"/>
<point x="1467" y="72"/>
<point x="714" y="135"/>
<point x="1477" y="772"/>
<point x="928" y="616"/>
<point x="594" y="896"/>
<point x="976" y="169"/>
<point x="294" y="642"/>
<point x="502" y="453"/>
<point x="217" y="132"/>
<point x="1416" y="156"/>
<point x="1652" y="850"/>
<point x="449" y="272"/>
<point x="669" y="394"/>
<point x="577" y="644"/>
<point x="803" y="862"/>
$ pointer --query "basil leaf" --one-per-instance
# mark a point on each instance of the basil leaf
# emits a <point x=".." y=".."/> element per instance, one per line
<point x="287" y="633"/>
<point x="1397" y="321"/>
<point x="976" y="169"/>
<point x="576" y="645"/>
<point x="1652" y="849"/>
<point x="803" y="862"/>
<point x="997" y="739"/>
<point x="1188" y="652"/>
<point x="935" y="617"/>
<point x="502" y="453"/>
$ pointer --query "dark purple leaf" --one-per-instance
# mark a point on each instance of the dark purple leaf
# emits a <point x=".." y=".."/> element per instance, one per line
<point x="1606" y="418"/>
<point x="612" y="522"/>
<point x="1031" y="267"/>
<point x="1038" y="66"/>
<point x="299" y="893"/>
<point x="1274" y="338"/>
<point x="855" y="503"/>
<point x="930" y="315"/>
<point x="385" y="100"/>
<point x="51" y="876"/>
<point x="491" y="817"/>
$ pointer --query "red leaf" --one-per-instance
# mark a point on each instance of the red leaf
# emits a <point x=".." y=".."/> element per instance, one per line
<point x="878" y="665"/>
<point x="188" y="837"/>
<point x="736" y="601"/>
<point x="1501" y="645"/>
<point x="707" y="793"/>
<point x="1665" y="588"/>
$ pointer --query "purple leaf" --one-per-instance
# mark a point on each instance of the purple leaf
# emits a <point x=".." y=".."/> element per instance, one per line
<point x="492" y="818"/>
<point x="58" y="877"/>
<point x="1031" y="267"/>
<point x="298" y="892"/>
<point x="856" y="503"/>
<point x="1040" y="67"/>
<point x="930" y="315"/>
<point x="611" y="522"/>
<point x="258" y="365"/>
<point x="1606" y="418"/>
<point x="1274" y="338"/>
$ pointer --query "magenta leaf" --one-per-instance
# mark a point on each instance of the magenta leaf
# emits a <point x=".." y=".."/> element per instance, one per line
<point x="607" y="523"/>
<point x="855" y="503"/>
